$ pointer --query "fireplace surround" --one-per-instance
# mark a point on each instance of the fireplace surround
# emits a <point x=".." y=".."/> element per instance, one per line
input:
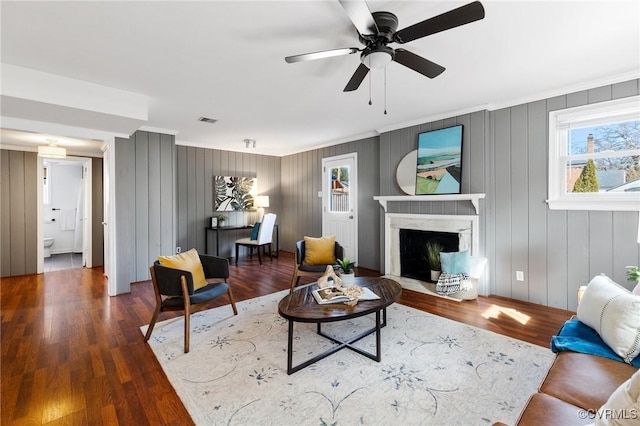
<point x="465" y="226"/>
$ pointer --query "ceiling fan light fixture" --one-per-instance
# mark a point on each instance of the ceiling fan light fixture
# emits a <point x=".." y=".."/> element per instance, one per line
<point x="378" y="58"/>
<point x="377" y="29"/>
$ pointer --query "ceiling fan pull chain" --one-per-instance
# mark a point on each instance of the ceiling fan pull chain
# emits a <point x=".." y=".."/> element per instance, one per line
<point x="370" y="87"/>
<point x="385" y="91"/>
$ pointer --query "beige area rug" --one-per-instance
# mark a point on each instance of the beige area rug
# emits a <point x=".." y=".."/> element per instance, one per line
<point x="434" y="371"/>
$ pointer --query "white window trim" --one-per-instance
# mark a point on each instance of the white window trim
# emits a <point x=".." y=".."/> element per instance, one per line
<point x="558" y="198"/>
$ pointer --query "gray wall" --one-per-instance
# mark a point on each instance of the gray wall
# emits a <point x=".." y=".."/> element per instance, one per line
<point x="196" y="168"/>
<point x="18" y="213"/>
<point x="292" y="184"/>
<point x="302" y="209"/>
<point x="558" y="250"/>
<point x="164" y="199"/>
<point x="505" y="156"/>
<point x="145" y="200"/>
<point x="476" y="165"/>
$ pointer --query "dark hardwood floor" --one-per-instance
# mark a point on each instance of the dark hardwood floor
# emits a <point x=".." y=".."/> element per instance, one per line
<point x="73" y="355"/>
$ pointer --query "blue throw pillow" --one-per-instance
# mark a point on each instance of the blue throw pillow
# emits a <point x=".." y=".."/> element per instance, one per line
<point x="455" y="263"/>
<point x="254" y="231"/>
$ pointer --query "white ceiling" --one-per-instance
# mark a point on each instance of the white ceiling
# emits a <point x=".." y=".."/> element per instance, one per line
<point x="225" y="60"/>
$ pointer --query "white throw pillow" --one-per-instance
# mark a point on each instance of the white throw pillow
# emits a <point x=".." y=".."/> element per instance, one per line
<point x="623" y="406"/>
<point x="476" y="266"/>
<point x="614" y="312"/>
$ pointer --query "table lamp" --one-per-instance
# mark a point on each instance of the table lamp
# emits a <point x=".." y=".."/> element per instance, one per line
<point x="261" y="201"/>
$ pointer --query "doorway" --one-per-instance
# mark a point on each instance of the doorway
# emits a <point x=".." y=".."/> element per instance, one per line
<point x="64" y="213"/>
<point x="340" y="201"/>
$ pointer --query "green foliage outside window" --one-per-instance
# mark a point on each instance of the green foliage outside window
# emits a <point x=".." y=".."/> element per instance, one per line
<point x="340" y="174"/>
<point x="588" y="181"/>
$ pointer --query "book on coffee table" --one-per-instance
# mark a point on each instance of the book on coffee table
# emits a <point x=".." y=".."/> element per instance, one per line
<point x="335" y="295"/>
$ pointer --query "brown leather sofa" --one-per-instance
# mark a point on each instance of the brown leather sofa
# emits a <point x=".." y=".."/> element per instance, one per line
<point x="575" y="387"/>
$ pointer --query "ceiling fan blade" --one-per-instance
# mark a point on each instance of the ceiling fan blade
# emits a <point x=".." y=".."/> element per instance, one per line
<point x="320" y="55"/>
<point x="356" y="78"/>
<point x="454" y="18"/>
<point x="418" y="63"/>
<point x="361" y="16"/>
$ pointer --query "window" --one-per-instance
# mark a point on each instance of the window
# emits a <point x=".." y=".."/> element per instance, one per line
<point x="594" y="156"/>
<point x="339" y="200"/>
<point x="46" y="188"/>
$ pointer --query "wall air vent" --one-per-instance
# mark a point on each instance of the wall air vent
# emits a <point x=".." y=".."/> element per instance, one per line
<point x="207" y="120"/>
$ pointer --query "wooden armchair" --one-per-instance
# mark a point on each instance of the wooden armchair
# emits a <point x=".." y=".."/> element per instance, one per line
<point x="174" y="289"/>
<point x="303" y="270"/>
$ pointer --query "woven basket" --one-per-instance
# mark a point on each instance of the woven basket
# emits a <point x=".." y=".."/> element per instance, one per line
<point x="470" y="294"/>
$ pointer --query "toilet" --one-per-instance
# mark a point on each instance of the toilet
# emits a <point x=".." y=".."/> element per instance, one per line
<point x="48" y="242"/>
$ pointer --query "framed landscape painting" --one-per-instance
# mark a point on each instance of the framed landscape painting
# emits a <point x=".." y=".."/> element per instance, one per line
<point x="232" y="193"/>
<point x="439" y="164"/>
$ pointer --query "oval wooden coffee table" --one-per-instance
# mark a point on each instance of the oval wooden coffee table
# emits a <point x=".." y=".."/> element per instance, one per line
<point x="300" y="306"/>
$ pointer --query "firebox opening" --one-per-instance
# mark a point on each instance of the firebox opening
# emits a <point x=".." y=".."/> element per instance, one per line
<point x="413" y="263"/>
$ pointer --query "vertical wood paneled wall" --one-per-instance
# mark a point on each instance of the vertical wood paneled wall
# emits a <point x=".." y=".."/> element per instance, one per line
<point x="396" y="144"/>
<point x="505" y="155"/>
<point x="18" y="212"/>
<point x="302" y="208"/>
<point x="558" y="250"/>
<point x="145" y="200"/>
<point x="196" y="169"/>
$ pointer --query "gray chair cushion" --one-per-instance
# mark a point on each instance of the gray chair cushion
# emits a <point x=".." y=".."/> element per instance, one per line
<point x="316" y="268"/>
<point x="204" y="294"/>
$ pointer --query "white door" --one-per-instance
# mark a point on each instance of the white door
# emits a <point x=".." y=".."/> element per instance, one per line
<point x="340" y="201"/>
<point x="83" y="211"/>
<point x="106" y="196"/>
<point x="87" y="214"/>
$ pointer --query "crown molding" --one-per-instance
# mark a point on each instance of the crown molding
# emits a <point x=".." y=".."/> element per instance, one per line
<point x="565" y="90"/>
<point x="151" y="129"/>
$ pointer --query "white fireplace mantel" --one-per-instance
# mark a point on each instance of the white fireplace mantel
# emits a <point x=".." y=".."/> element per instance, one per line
<point x="474" y="198"/>
<point x="466" y="226"/>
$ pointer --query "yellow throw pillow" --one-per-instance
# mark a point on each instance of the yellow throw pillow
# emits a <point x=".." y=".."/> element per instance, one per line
<point x="187" y="261"/>
<point x="319" y="251"/>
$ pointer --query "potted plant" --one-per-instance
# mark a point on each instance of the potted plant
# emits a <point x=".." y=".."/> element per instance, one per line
<point x="633" y="274"/>
<point x="221" y="219"/>
<point x="432" y="255"/>
<point x="347" y="274"/>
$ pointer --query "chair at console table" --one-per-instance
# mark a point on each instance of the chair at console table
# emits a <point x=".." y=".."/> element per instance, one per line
<point x="219" y="229"/>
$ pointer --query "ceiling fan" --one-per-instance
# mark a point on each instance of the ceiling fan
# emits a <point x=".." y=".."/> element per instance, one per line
<point x="376" y="30"/>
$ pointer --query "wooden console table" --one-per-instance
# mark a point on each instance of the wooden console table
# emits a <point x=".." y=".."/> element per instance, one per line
<point x="219" y="229"/>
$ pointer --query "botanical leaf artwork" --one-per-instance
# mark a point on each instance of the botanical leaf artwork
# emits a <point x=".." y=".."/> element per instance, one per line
<point x="233" y="193"/>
